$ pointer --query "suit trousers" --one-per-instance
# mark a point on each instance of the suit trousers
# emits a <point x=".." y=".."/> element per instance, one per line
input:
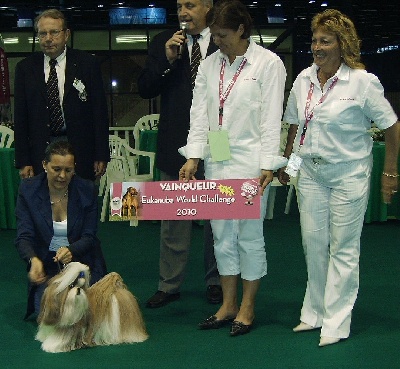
<point x="332" y="200"/>
<point x="175" y="239"/>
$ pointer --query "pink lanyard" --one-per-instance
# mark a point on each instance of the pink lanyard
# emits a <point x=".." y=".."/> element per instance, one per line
<point x="309" y="114"/>
<point x="224" y="95"/>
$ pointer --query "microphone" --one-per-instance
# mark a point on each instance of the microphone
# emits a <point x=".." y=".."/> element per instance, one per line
<point x="182" y="26"/>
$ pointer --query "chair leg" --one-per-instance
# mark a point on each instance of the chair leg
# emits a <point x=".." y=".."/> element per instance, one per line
<point x="270" y="203"/>
<point x="289" y="199"/>
<point x="105" y="204"/>
<point x="102" y="185"/>
<point x="133" y="223"/>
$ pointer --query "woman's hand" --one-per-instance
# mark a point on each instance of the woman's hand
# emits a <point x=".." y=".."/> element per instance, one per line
<point x="188" y="170"/>
<point x="36" y="273"/>
<point x="63" y="255"/>
<point x="283" y="177"/>
<point x="266" y="178"/>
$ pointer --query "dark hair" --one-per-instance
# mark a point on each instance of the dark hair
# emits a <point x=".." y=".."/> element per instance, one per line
<point x="61" y="147"/>
<point x="230" y="14"/>
<point x="332" y="20"/>
<point x="51" y="13"/>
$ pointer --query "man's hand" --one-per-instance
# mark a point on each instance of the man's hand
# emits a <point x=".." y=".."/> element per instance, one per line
<point x="171" y="46"/>
<point x="26" y="172"/>
<point x="99" y="168"/>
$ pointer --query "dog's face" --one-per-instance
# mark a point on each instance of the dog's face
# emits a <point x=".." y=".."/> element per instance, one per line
<point x="116" y="203"/>
<point x="132" y="191"/>
<point x="64" y="301"/>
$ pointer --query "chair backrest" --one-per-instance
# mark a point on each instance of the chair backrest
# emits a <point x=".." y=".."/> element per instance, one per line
<point x="118" y="158"/>
<point x="124" y="132"/>
<point x="6" y="136"/>
<point x="125" y="159"/>
<point x="147" y="122"/>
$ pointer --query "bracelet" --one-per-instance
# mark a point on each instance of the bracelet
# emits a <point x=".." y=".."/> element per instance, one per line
<point x="390" y="175"/>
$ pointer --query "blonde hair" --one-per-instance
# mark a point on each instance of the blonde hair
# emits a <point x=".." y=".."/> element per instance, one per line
<point x="332" y="20"/>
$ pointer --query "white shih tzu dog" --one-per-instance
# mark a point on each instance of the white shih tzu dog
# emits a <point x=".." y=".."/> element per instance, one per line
<point x="74" y="315"/>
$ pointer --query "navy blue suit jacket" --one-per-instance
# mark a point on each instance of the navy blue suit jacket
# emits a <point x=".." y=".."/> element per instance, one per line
<point x="86" y="121"/>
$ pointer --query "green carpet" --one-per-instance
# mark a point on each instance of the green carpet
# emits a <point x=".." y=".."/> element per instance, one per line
<point x="174" y="339"/>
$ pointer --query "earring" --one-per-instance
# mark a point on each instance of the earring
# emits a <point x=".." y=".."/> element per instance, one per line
<point x="45" y="170"/>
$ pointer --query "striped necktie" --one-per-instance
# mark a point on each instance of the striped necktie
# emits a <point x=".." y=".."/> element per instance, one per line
<point x="53" y="96"/>
<point x="195" y="59"/>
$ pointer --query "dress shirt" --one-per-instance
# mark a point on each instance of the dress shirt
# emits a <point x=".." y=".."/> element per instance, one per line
<point x="252" y="113"/>
<point x="204" y="41"/>
<point x="60" y="69"/>
<point x="338" y="130"/>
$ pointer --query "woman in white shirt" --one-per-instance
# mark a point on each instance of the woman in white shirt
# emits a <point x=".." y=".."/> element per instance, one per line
<point x="330" y="109"/>
<point x="238" y="98"/>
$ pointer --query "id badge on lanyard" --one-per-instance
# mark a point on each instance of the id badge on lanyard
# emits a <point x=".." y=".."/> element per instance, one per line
<point x="219" y="140"/>
<point x="295" y="160"/>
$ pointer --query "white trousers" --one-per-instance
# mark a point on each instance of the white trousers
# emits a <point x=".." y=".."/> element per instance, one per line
<point x="332" y="200"/>
<point x="239" y="245"/>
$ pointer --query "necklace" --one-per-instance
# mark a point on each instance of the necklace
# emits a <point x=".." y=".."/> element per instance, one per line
<point x="60" y="199"/>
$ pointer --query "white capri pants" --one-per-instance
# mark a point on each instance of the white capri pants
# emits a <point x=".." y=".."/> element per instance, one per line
<point x="239" y="245"/>
<point x="332" y="199"/>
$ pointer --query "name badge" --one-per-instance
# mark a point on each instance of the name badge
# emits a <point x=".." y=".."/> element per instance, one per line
<point x="81" y="89"/>
<point x="293" y="165"/>
<point x="219" y="145"/>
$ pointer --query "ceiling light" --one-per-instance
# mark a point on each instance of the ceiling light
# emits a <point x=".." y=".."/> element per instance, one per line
<point x="11" y="40"/>
<point x="130" y="39"/>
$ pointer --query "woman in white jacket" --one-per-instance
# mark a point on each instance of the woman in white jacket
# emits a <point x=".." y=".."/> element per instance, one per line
<point x="235" y="127"/>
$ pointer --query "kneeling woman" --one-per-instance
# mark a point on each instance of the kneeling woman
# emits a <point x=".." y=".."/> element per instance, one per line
<point x="57" y="222"/>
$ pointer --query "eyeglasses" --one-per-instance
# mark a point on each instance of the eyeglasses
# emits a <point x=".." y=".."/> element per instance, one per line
<point x="54" y="33"/>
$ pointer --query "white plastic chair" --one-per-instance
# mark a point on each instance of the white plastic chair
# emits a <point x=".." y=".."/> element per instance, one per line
<point x="127" y="134"/>
<point x="275" y="182"/>
<point x="119" y="170"/>
<point x="147" y="122"/>
<point x="6" y="136"/>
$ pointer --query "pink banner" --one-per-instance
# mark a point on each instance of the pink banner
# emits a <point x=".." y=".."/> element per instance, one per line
<point x="174" y="200"/>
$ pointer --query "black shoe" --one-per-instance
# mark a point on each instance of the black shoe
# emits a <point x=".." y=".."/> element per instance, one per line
<point x="161" y="298"/>
<point x="214" y="294"/>
<point x="239" y="328"/>
<point x="213" y="323"/>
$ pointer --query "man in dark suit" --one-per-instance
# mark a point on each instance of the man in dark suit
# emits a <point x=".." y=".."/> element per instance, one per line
<point x="167" y="74"/>
<point x="84" y="121"/>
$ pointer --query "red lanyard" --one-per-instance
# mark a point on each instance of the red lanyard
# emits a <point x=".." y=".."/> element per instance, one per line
<point x="309" y="114"/>
<point x="224" y="95"/>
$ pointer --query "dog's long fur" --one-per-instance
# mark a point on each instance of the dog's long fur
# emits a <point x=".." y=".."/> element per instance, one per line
<point x="116" y="319"/>
<point x="72" y="315"/>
